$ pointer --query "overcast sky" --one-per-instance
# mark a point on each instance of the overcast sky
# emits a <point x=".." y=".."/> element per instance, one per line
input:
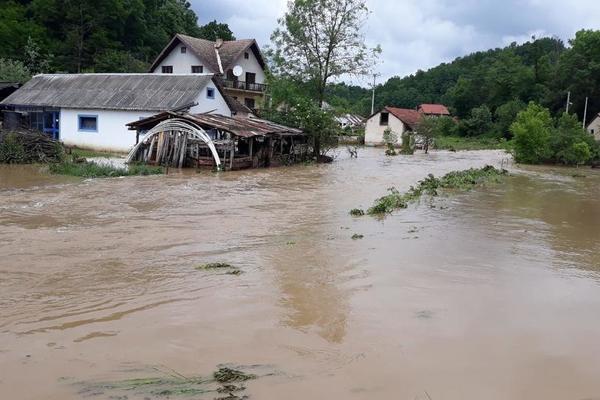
<point x="421" y="34"/>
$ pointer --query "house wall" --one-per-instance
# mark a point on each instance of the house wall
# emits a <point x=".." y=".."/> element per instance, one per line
<point x="216" y="105"/>
<point x="374" y="131"/>
<point x="250" y="65"/>
<point x="594" y="128"/>
<point x="112" y="134"/>
<point x="182" y="63"/>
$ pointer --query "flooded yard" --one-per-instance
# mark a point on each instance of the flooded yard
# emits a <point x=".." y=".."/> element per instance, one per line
<point x="488" y="294"/>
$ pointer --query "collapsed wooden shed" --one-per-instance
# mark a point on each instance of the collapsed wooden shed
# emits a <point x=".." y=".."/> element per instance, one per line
<point x="216" y="141"/>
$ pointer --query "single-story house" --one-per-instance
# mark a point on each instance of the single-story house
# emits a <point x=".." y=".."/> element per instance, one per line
<point x="399" y="120"/>
<point x="594" y="127"/>
<point x="434" y="110"/>
<point x="92" y="110"/>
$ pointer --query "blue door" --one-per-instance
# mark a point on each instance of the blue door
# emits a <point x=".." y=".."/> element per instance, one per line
<point x="52" y="124"/>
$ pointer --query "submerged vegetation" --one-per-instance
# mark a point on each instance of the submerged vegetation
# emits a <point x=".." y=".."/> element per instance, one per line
<point x="431" y="186"/>
<point x="224" y="380"/>
<point x="88" y="169"/>
<point x="220" y="266"/>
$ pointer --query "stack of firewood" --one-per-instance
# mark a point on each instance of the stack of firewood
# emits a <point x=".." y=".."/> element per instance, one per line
<point x="27" y="146"/>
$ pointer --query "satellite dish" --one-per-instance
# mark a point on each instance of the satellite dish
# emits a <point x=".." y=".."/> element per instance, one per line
<point x="238" y="71"/>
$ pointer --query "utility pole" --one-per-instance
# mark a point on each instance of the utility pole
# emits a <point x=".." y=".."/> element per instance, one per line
<point x="568" y="101"/>
<point x="585" y="112"/>
<point x="373" y="99"/>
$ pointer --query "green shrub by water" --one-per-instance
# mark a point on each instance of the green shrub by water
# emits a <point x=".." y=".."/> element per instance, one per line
<point x="93" y="170"/>
<point x="457" y="180"/>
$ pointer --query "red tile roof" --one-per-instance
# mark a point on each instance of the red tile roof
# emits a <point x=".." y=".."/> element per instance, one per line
<point x="408" y="116"/>
<point x="434" y="109"/>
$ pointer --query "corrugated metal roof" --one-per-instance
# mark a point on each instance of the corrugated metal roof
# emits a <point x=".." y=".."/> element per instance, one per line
<point x="239" y="126"/>
<point x="135" y="92"/>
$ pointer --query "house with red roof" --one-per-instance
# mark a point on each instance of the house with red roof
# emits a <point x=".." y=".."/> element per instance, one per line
<point x="434" y="110"/>
<point x="399" y="120"/>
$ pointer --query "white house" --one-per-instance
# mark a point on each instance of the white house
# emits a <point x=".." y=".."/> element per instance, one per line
<point x="398" y="120"/>
<point x="91" y="110"/>
<point x="239" y="62"/>
<point x="594" y="127"/>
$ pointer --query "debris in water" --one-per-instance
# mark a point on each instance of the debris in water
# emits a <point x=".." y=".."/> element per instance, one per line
<point x="357" y="236"/>
<point x="357" y="212"/>
<point x="228" y="375"/>
<point x="216" y="265"/>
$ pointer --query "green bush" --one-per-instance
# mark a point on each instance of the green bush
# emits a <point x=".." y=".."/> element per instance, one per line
<point x="532" y="130"/>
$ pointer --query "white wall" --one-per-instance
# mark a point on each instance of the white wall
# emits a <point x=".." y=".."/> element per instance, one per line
<point x="250" y="65"/>
<point x="374" y="131"/>
<point x="112" y="134"/>
<point x="594" y="128"/>
<point x="182" y="63"/>
<point x="217" y="105"/>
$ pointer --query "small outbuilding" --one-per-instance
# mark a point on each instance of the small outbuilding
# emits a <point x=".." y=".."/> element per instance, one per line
<point x="216" y="141"/>
<point x="92" y="110"/>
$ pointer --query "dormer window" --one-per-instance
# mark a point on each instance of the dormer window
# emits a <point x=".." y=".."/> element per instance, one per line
<point x="183" y="49"/>
<point x="246" y="55"/>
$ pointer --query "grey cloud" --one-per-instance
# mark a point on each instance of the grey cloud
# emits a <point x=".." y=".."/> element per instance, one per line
<point x="421" y="34"/>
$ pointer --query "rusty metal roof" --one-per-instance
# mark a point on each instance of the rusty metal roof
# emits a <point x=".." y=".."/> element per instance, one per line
<point x="237" y="125"/>
<point x="135" y="92"/>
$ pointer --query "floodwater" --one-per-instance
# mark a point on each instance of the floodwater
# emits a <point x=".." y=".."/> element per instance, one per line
<point x="489" y="294"/>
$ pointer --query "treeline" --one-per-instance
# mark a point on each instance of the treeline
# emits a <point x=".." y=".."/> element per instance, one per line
<point x="542" y="70"/>
<point x="94" y="35"/>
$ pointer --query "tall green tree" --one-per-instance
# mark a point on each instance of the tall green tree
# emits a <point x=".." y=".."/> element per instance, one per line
<point x="318" y="40"/>
<point x="532" y="130"/>
<point x="215" y="30"/>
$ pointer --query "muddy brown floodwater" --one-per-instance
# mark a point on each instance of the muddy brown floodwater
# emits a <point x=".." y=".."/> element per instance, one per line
<point x="490" y="294"/>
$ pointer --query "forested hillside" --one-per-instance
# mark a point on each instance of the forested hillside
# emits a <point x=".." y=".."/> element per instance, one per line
<point x="542" y="70"/>
<point x="95" y="35"/>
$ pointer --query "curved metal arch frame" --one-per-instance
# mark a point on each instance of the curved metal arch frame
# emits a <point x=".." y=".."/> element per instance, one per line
<point x="180" y="126"/>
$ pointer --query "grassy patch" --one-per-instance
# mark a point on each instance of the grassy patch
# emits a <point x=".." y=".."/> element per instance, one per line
<point x="457" y="180"/>
<point x="81" y="153"/>
<point x="458" y="143"/>
<point x="93" y="170"/>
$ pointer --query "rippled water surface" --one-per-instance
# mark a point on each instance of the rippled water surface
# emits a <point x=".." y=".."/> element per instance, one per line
<point x="490" y="294"/>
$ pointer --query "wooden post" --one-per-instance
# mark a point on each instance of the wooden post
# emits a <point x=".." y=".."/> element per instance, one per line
<point x="251" y="142"/>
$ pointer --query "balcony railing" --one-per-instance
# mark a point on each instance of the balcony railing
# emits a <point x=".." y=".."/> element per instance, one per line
<point x="241" y="85"/>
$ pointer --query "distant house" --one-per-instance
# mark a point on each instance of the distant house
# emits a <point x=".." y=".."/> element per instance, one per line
<point x="594" y="127"/>
<point x="351" y="121"/>
<point x="434" y="110"/>
<point x="398" y="120"/>
<point x="239" y="62"/>
<point x="92" y="110"/>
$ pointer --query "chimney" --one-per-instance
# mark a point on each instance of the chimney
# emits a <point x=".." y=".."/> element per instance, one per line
<point x="218" y="43"/>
